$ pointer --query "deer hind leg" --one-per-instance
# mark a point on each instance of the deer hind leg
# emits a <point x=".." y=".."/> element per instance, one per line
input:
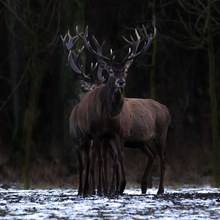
<point x="161" y="155"/>
<point x="151" y="158"/>
<point x="92" y="169"/>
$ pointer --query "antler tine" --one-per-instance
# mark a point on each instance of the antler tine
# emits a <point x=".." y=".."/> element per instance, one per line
<point x="97" y="76"/>
<point x="72" y="61"/>
<point x="101" y="78"/>
<point x="147" y="36"/>
<point x="134" y="45"/>
<point x="64" y="39"/>
<point x="70" y="42"/>
<point x="96" y="50"/>
<point x="73" y="57"/>
<point x="134" y="53"/>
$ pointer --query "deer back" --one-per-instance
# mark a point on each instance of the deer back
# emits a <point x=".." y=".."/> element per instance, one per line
<point x="144" y="119"/>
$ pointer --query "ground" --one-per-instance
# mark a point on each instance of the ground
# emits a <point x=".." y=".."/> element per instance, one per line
<point x="180" y="203"/>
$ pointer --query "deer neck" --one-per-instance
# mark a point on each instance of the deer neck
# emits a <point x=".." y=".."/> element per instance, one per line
<point x="112" y="100"/>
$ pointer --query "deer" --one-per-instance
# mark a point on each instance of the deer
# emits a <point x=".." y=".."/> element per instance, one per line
<point x="91" y="122"/>
<point x="143" y="123"/>
<point x="82" y="140"/>
<point x="97" y="114"/>
<point x="129" y="128"/>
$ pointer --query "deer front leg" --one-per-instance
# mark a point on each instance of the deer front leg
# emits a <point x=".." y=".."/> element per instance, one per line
<point x="80" y="161"/>
<point x="121" y="162"/>
<point x="100" y="168"/>
<point x="88" y="145"/>
<point x="92" y="169"/>
<point x="105" y="170"/>
<point x="115" y="150"/>
<point x="113" y="178"/>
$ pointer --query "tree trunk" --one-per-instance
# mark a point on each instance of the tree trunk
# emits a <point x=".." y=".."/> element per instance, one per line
<point x="15" y="48"/>
<point x="31" y="116"/>
<point x="213" y="101"/>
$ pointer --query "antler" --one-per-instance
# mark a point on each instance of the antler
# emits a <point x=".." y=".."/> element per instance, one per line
<point x="97" y="51"/>
<point x="70" y="43"/>
<point x="133" y="51"/>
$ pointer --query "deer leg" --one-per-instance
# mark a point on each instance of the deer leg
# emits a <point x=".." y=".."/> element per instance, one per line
<point x="105" y="171"/>
<point x="117" y="179"/>
<point x="100" y="168"/>
<point x="151" y="159"/>
<point x="113" y="152"/>
<point x="123" y="181"/>
<point x="117" y="160"/>
<point x="88" y="161"/>
<point x="92" y="170"/>
<point x="162" y="169"/>
<point x="113" y="181"/>
<point x="80" y="160"/>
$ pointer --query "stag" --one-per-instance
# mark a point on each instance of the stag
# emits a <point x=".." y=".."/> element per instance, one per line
<point x="81" y="138"/>
<point x="115" y="120"/>
<point x="143" y="123"/>
<point x="97" y="114"/>
<point x="95" y="118"/>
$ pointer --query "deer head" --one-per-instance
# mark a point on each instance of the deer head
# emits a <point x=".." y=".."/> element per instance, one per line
<point x="117" y="71"/>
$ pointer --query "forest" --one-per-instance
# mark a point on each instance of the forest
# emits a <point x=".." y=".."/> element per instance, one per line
<point x="39" y="89"/>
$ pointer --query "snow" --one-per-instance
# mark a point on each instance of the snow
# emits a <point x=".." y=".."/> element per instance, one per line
<point x="181" y="203"/>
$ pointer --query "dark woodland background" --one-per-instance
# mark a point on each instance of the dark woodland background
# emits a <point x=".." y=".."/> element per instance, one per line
<point x="38" y="89"/>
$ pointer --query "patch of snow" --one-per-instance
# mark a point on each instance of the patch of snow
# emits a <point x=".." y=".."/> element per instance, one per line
<point x="182" y="203"/>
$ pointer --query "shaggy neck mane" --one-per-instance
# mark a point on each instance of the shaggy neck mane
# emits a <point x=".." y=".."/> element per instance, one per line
<point x="112" y="100"/>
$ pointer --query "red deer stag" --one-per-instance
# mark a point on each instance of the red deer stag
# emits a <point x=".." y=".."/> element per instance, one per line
<point x="143" y="123"/>
<point x="139" y="121"/>
<point x="91" y="120"/>
<point x="99" y="110"/>
<point x="81" y="138"/>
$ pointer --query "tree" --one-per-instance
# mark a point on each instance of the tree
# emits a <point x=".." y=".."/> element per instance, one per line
<point x="201" y="21"/>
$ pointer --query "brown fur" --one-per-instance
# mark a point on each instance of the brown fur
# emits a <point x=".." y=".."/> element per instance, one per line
<point x="111" y="120"/>
<point x="144" y="121"/>
<point x="96" y="118"/>
<point x="136" y="123"/>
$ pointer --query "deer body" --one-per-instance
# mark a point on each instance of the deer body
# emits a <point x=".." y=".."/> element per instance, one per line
<point x="142" y="119"/>
<point x="111" y="120"/>
<point x="83" y="144"/>
<point x="143" y="122"/>
<point x="96" y="117"/>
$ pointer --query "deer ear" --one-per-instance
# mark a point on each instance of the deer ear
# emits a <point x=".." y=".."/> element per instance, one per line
<point x="128" y="64"/>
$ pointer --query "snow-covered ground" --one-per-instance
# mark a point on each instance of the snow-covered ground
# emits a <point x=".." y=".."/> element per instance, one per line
<point x="182" y="203"/>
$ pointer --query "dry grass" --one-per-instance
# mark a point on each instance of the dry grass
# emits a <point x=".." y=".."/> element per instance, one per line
<point x="189" y="166"/>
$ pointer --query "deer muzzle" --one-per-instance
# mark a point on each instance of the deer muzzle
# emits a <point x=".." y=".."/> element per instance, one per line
<point x="120" y="83"/>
